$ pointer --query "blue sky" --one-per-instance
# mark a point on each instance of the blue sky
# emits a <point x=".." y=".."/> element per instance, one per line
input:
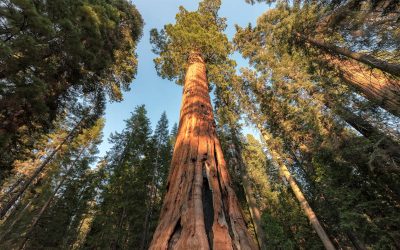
<point x="148" y="88"/>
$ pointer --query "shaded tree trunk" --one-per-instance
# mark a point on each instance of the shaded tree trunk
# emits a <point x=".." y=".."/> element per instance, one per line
<point x="15" y="220"/>
<point x="253" y="115"/>
<point x="373" y="84"/>
<point x="356" y="241"/>
<point x="4" y="209"/>
<point x="41" y="212"/>
<point x="10" y="190"/>
<point x="391" y="147"/>
<point x="149" y="210"/>
<point x="391" y="68"/>
<point x="336" y="15"/>
<point x="200" y="209"/>
<point x="255" y="212"/>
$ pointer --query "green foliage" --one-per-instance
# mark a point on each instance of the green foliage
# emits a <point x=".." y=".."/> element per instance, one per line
<point x="198" y="31"/>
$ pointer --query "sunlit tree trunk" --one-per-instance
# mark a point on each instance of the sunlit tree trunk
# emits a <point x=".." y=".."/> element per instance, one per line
<point x="200" y="209"/>
<point x="391" y="68"/>
<point x="308" y="211"/>
<point x="373" y="84"/>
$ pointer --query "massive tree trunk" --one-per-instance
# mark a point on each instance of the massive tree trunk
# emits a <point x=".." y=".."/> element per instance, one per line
<point x="391" y="68"/>
<point x="200" y="209"/>
<point x="298" y="193"/>
<point x="373" y="84"/>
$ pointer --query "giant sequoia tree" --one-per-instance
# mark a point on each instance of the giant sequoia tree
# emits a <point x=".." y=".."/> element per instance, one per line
<point x="200" y="209"/>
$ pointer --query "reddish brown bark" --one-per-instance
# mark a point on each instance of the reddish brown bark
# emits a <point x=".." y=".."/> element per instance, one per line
<point x="200" y="209"/>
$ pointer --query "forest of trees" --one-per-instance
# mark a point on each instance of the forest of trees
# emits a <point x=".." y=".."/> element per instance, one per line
<point x="320" y="93"/>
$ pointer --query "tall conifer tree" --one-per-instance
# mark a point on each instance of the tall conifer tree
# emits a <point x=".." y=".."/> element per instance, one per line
<point x="200" y="208"/>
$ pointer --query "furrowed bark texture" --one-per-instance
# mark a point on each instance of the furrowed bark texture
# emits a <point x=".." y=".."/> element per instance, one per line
<point x="200" y="209"/>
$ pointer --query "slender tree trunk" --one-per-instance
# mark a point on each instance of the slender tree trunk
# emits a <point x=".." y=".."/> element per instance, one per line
<point x="13" y="186"/>
<point x="11" y="202"/>
<point x="115" y="242"/>
<point x="373" y="84"/>
<point x="356" y="241"/>
<point x="149" y="209"/>
<point x="149" y="205"/>
<point x="21" y="213"/>
<point x="298" y="193"/>
<point x="254" y="211"/>
<point x="200" y="209"/>
<point x="48" y="202"/>
<point x="336" y="15"/>
<point x="391" y="68"/>
<point x="41" y="212"/>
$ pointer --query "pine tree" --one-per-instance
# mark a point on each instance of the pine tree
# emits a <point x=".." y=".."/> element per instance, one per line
<point x="70" y="128"/>
<point x="174" y="134"/>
